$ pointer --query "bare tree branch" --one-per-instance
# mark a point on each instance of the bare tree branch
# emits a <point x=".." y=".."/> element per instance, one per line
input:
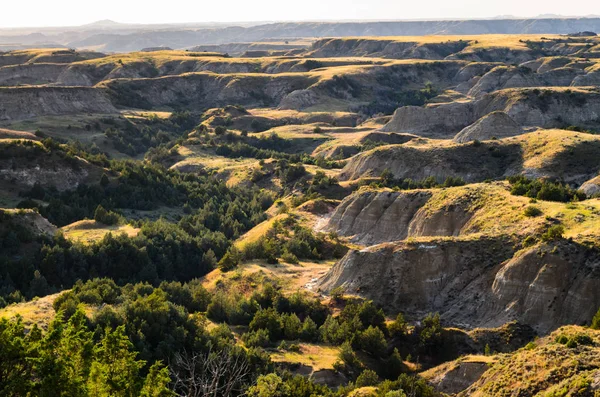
<point x="211" y="374"/>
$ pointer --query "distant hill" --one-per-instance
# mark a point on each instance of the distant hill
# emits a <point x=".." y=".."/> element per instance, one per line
<point x="115" y="37"/>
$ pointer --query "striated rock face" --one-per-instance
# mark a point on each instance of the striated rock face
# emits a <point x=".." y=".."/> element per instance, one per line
<point x="549" y="285"/>
<point x="22" y="167"/>
<point x="528" y="107"/>
<point x="30" y="74"/>
<point x="18" y="103"/>
<point x="503" y="77"/>
<point x="495" y="124"/>
<point x="459" y="377"/>
<point x="420" y="277"/>
<point x="205" y="90"/>
<point x="436" y="121"/>
<point x="374" y="217"/>
<point x="475" y="282"/>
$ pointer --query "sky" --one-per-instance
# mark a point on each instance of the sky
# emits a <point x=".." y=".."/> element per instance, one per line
<point x="27" y="13"/>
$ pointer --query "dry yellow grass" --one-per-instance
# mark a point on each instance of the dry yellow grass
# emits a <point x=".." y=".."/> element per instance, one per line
<point x="545" y="368"/>
<point x="89" y="231"/>
<point x="318" y="357"/>
<point x="251" y="275"/>
<point x="512" y="41"/>
<point x="37" y="311"/>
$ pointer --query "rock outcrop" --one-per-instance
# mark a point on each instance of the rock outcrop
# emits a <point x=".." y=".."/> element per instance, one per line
<point x="30" y="220"/>
<point x="17" y="103"/>
<point x="495" y="125"/>
<point x="24" y="164"/>
<point x="458" y="375"/>
<point x="539" y="107"/>
<point x="375" y="217"/>
<point x="472" y="163"/>
<point x="556" y="154"/>
<point x="592" y="187"/>
<point x="503" y="77"/>
<point x="476" y="282"/>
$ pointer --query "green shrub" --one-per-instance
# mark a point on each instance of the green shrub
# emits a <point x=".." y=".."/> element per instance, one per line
<point x="258" y="338"/>
<point x="529" y="241"/>
<point x="553" y="233"/>
<point x="270" y="320"/>
<point x="106" y="217"/>
<point x="399" y="327"/>
<point x="310" y="331"/>
<point x="532" y="211"/>
<point x="367" y="378"/>
<point x="544" y="190"/>
<point x="372" y="340"/>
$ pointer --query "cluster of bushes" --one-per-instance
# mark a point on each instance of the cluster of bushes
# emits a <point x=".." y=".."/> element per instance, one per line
<point x="122" y="349"/>
<point x="574" y="340"/>
<point x="387" y="180"/>
<point x="140" y="327"/>
<point x="134" y="139"/>
<point x="388" y="101"/>
<point x="161" y="251"/>
<point x="147" y="186"/>
<point x="290" y="241"/>
<point x="274" y="385"/>
<point x="233" y="309"/>
<point x="544" y="190"/>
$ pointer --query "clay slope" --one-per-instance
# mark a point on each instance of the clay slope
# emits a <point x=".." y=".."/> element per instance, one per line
<point x="540" y="107"/>
<point x="335" y="88"/>
<point x="592" y="187"/>
<point x="494" y="125"/>
<point x="31" y="74"/>
<point x="30" y="220"/>
<point x="559" y="154"/>
<point x="24" y="164"/>
<point x="503" y="77"/>
<point x="373" y="217"/>
<point x="17" y="103"/>
<point x="476" y="282"/>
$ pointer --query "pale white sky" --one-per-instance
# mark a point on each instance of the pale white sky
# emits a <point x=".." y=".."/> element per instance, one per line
<point x="19" y="13"/>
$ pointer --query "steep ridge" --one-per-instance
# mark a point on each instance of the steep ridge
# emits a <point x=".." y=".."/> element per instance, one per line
<point x="177" y="37"/>
<point x="483" y="48"/>
<point x="338" y="88"/>
<point x="567" y="155"/>
<point x="459" y="251"/>
<point x="24" y="164"/>
<point x="541" y="107"/>
<point x="206" y="90"/>
<point x="31" y="74"/>
<point x="27" y="102"/>
<point x="473" y="282"/>
<point x="494" y="125"/>
<point x="378" y="216"/>
<point x="46" y="55"/>
<point x="502" y="77"/>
